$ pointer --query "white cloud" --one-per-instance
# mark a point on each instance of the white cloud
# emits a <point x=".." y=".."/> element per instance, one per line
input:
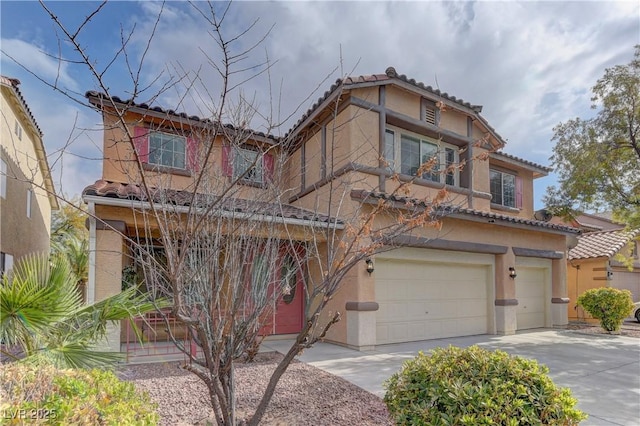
<point x="38" y="60"/>
<point x="530" y="64"/>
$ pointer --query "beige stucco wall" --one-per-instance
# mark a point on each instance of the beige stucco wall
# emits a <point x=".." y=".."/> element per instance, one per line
<point x="403" y="101"/>
<point x="108" y="278"/>
<point x="583" y="275"/>
<point x="354" y="136"/>
<point x="20" y="235"/>
<point x="120" y="164"/>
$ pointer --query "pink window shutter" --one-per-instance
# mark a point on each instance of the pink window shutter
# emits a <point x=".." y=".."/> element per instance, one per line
<point x="518" y="192"/>
<point x="192" y="155"/>
<point x="141" y="143"/>
<point x="227" y="165"/>
<point x="268" y="167"/>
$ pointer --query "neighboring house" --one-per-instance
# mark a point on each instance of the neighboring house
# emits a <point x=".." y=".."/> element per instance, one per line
<point x="598" y="259"/>
<point x="27" y="195"/>
<point x="492" y="268"/>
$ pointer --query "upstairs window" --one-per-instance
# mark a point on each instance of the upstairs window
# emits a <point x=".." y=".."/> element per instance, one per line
<point x="506" y="189"/>
<point x="247" y="164"/>
<point x="406" y="152"/>
<point x="3" y="179"/>
<point x="167" y="150"/>
<point x="389" y="150"/>
<point x="18" y="130"/>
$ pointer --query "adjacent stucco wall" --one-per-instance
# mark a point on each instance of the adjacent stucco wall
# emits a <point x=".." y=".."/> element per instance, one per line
<point x="20" y="235"/>
<point x="583" y="275"/>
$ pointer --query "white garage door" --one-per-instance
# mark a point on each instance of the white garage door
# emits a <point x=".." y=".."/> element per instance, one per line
<point x="626" y="280"/>
<point x="424" y="300"/>
<point x="530" y="292"/>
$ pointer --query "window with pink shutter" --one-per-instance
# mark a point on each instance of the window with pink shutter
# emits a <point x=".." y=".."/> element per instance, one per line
<point x="141" y="143"/>
<point x="504" y="189"/>
<point x="248" y="165"/>
<point x="167" y="150"/>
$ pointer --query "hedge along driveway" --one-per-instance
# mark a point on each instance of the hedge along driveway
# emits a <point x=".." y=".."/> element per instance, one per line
<point x="602" y="371"/>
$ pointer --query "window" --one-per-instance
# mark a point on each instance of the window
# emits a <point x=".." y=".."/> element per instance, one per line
<point x="247" y="164"/>
<point x="167" y="150"/>
<point x="3" y="179"/>
<point x="389" y="151"/>
<point x="406" y="152"/>
<point x="18" y="130"/>
<point x="503" y="188"/>
<point x="6" y="263"/>
<point x="29" y="197"/>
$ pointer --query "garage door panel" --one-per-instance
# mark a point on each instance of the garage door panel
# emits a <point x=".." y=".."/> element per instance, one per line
<point x="530" y="304"/>
<point x="530" y="292"/>
<point x="627" y="280"/>
<point x="471" y="308"/>
<point x="427" y="300"/>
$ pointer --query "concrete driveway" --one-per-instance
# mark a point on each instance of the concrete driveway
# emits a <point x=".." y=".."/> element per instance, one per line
<point x="603" y="372"/>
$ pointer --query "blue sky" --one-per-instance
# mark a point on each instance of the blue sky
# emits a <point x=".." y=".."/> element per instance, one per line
<point x="530" y="64"/>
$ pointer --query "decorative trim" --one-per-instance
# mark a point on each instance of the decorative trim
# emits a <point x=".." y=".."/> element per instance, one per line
<point x="544" y="254"/>
<point x="500" y="207"/>
<point x="479" y="194"/>
<point x="362" y="306"/>
<point x="323" y="154"/>
<point x="440" y="244"/>
<point x="382" y="135"/>
<point x="164" y="169"/>
<point x="303" y="164"/>
<point x="111" y="225"/>
<point x="412" y="124"/>
<point x="560" y="300"/>
<point x="506" y="302"/>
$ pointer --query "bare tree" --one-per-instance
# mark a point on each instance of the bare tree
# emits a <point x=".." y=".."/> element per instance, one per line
<point x="225" y="246"/>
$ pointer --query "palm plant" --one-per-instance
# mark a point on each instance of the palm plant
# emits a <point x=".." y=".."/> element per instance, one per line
<point x="42" y="314"/>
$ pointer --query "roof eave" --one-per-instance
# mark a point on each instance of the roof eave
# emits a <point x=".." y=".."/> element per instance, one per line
<point x="538" y="170"/>
<point x="96" y="100"/>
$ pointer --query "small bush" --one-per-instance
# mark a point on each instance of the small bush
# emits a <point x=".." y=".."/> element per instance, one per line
<point x="609" y="305"/>
<point x="45" y="395"/>
<point x="474" y="386"/>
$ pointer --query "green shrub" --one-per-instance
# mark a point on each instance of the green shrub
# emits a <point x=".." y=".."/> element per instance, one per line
<point x="32" y="394"/>
<point x="474" y="386"/>
<point x="609" y="305"/>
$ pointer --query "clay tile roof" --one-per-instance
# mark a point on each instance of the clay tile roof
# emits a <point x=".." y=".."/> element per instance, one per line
<point x="390" y="74"/>
<point x="14" y="83"/>
<point x="602" y="243"/>
<point x="447" y="210"/>
<point x="521" y="160"/>
<point x="98" y="97"/>
<point x="124" y="191"/>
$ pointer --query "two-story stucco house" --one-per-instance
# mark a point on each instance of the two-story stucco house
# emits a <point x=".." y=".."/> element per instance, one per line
<point x="489" y="268"/>
<point x="27" y="194"/>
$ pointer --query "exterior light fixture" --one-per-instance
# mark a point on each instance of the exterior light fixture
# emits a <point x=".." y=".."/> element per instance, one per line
<point x="370" y="267"/>
<point x="512" y="272"/>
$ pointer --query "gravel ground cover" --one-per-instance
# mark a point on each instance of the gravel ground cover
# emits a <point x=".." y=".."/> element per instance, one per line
<point x="305" y="395"/>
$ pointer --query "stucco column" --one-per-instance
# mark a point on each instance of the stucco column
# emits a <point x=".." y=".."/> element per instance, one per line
<point x="361" y="311"/>
<point x="505" y="302"/>
<point x="108" y="278"/>
<point x="559" y="296"/>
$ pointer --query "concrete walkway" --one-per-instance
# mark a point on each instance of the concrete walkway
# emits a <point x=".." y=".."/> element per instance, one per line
<point x="603" y="372"/>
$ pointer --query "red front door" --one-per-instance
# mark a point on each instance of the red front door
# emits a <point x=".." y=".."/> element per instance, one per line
<point x="290" y="304"/>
